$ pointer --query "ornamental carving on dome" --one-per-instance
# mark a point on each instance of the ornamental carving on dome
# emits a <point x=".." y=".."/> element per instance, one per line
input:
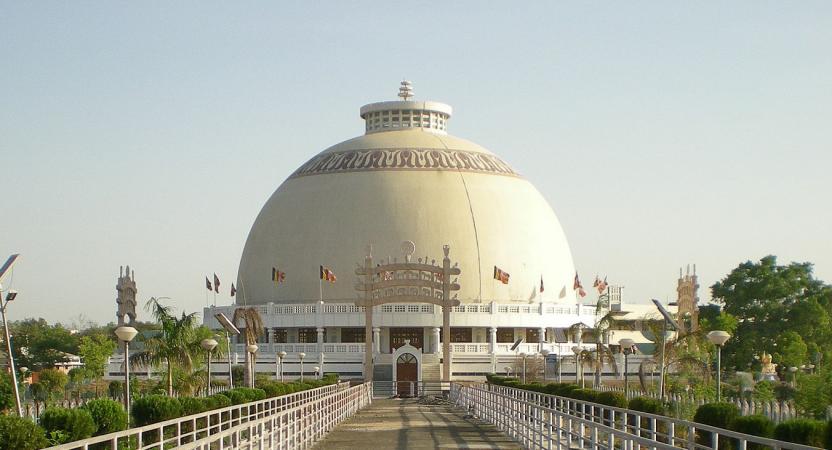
<point x="404" y="159"/>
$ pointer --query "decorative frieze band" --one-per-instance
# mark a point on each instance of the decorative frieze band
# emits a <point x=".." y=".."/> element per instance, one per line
<point x="404" y="159"/>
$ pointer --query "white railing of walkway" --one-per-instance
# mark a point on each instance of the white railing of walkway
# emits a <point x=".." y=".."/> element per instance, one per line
<point x="286" y="422"/>
<point x="548" y="421"/>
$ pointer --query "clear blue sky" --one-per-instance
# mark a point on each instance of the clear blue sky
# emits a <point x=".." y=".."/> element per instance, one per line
<point x="662" y="133"/>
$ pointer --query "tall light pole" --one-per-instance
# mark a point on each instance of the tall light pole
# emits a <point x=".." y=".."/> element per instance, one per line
<point x="523" y="355"/>
<point x="544" y="353"/>
<point x="301" y="355"/>
<point x="560" y="363"/>
<point x="10" y="296"/>
<point x="718" y="338"/>
<point x="252" y="365"/>
<point x="317" y="372"/>
<point x="280" y="355"/>
<point x="230" y="372"/>
<point x="126" y="334"/>
<point x="577" y="351"/>
<point x="627" y="348"/>
<point x="208" y="345"/>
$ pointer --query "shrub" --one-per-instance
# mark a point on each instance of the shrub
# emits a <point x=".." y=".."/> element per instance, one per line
<point x="587" y="395"/>
<point x="220" y="401"/>
<point x="155" y="408"/>
<point x="6" y="391"/>
<point x="17" y="433"/>
<point x="191" y="405"/>
<point x="614" y="399"/>
<point x="646" y="405"/>
<point x="720" y="415"/>
<point x="115" y="389"/>
<point x="236" y="397"/>
<point x="756" y="425"/>
<point x="109" y="415"/>
<point x="801" y="431"/>
<point x="64" y="425"/>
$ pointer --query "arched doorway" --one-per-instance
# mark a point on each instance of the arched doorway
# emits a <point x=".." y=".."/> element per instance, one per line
<point x="407" y="375"/>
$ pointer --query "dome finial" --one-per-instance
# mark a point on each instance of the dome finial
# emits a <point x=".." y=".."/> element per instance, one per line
<point x="406" y="90"/>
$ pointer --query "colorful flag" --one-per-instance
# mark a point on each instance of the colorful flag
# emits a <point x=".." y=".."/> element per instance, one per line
<point x="327" y="274"/>
<point x="233" y="290"/>
<point x="580" y="287"/>
<point x="602" y="286"/>
<point x="501" y="275"/>
<point x="216" y="284"/>
<point x="541" y="283"/>
<point x="208" y="284"/>
<point x="597" y="282"/>
<point x="278" y="276"/>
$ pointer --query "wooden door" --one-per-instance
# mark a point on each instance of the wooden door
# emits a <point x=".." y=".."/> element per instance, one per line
<point x="407" y="376"/>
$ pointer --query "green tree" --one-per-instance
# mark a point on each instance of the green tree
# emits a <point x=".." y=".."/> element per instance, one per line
<point x="253" y="328"/>
<point x="6" y="392"/>
<point x="769" y="300"/>
<point x="53" y="381"/>
<point x="175" y="346"/>
<point x="38" y="345"/>
<point x="95" y="351"/>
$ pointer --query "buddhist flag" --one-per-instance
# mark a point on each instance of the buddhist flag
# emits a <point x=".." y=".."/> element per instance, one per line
<point x="216" y="284"/>
<point x="327" y="274"/>
<point x="597" y="282"/>
<point x="208" y="284"/>
<point x="578" y="286"/>
<point x="541" y="283"/>
<point x="501" y="275"/>
<point x="278" y="276"/>
<point x="233" y="290"/>
<point x="602" y="286"/>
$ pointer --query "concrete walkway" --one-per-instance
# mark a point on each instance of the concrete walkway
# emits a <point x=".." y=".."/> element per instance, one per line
<point x="407" y="424"/>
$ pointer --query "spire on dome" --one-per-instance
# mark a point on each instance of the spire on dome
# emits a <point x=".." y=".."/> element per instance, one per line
<point x="406" y="90"/>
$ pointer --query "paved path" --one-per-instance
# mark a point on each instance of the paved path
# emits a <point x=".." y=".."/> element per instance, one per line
<point x="406" y="424"/>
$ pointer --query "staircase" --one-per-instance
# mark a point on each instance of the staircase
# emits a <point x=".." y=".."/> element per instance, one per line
<point x="431" y="372"/>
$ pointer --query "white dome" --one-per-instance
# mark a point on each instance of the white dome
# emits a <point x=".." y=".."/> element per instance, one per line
<point x="417" y="184"/>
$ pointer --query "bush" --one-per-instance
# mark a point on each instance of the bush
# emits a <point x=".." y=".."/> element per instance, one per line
<point x="587" y="395"/>
<point x="614" y="399"/>
<point x="115" y="389"/>
<point x="191" y="405"/>
<point x="109" y="416"/>
<point x="801" y="431"/>
<point x="756" y="425"/>
<point x="220" y="401"/>
<point x="17" y="433"/>
<point x="155" y="408"/>
<point x="6" y="391"/>
<point x="646" y="405"/>
<point x="236" y="397"/>
<point x="64" y="425"/>
<point x="720" y="415"/>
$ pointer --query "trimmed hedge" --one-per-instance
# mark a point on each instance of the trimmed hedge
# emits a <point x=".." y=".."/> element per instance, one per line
<point x="647" y="405"/>
<point x="614" y="399"/>
<point x="64" y="425"/>
<point x="18" y="433"/>
<point x="756" y="425"/>
<point x="220" y="401"/>
<point x="720" y="415"/>
<point x="109" y="415"/>
<point x="801" y="431"/>
<point x="155" y="408"/>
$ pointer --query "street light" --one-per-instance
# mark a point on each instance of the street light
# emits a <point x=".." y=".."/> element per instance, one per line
<point x="280" y="355"/>
<point x="508" y="371"/>
<point x="627" y="348"/>
<point x="793" y="370"/>
<point x="718" y="338"/>
<point x="577" y="351"/>
<point x="208" y="345"/>
<point x="301" y="355"/>
<point x="10" y="296"/>
<point x="317" y="372"/>
<point x="252" y="368"/>
<point x="126" y="334"/>
<point x="523" y="355"/>
<point x="545" y="353"/>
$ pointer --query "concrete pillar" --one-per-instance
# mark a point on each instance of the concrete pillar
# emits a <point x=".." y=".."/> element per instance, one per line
<point x="437" y="348"/>
<point x="320" y="339"/>
<point x="492" y="340"/>
<point x="541" y="338"/>
<point x="376" y="340"/>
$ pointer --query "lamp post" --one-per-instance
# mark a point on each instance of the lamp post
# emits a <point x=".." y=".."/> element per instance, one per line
<point x="793" y="370"/>
<point x="301" y="355"/>
<point x="208" y="345"/>
<point x="280" y="355"/>
<point x="317" y="372"/>
<point x="126" y="334"/>
<point x="523" y="355"/>
<point x="508" y="370"/>
<point x="577" y="351"/>
<point x="627" y="349"/>
<point x="230" y="372"/>
<point x="252" y="367"/>
<point x="718" y="338"/>
<point x="10" y="296"/>
<point x="544" y="353"/>
<point x="560" y="364"/>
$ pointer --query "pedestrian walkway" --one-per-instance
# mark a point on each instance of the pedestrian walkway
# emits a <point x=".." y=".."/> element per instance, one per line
<point x="414" y="424"/>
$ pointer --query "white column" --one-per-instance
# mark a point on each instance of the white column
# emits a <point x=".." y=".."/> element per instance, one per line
<point x="437" y="348"/>
<point x="541" y="338"/>
<point x="492" y="340"/>
<point x="320" y="339"/>
<point x="376" y="340"/>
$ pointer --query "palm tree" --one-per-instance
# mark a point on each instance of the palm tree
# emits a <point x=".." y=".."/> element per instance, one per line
<point x="602" y="353"/>
<point x="683" y="349"/>
<point x="175" y="345"/>
<point x="253" y="329"/>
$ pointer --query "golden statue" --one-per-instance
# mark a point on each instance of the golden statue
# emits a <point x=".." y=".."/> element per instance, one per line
<point x="769" y="369"/>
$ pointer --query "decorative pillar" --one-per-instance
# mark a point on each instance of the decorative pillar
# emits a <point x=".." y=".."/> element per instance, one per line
<point x="376" y="340"/>
<point x="541" y="336"/>
<point x="492" y="340"/>
<point x="320" y="339"/>
<point x="437" y="348"/>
